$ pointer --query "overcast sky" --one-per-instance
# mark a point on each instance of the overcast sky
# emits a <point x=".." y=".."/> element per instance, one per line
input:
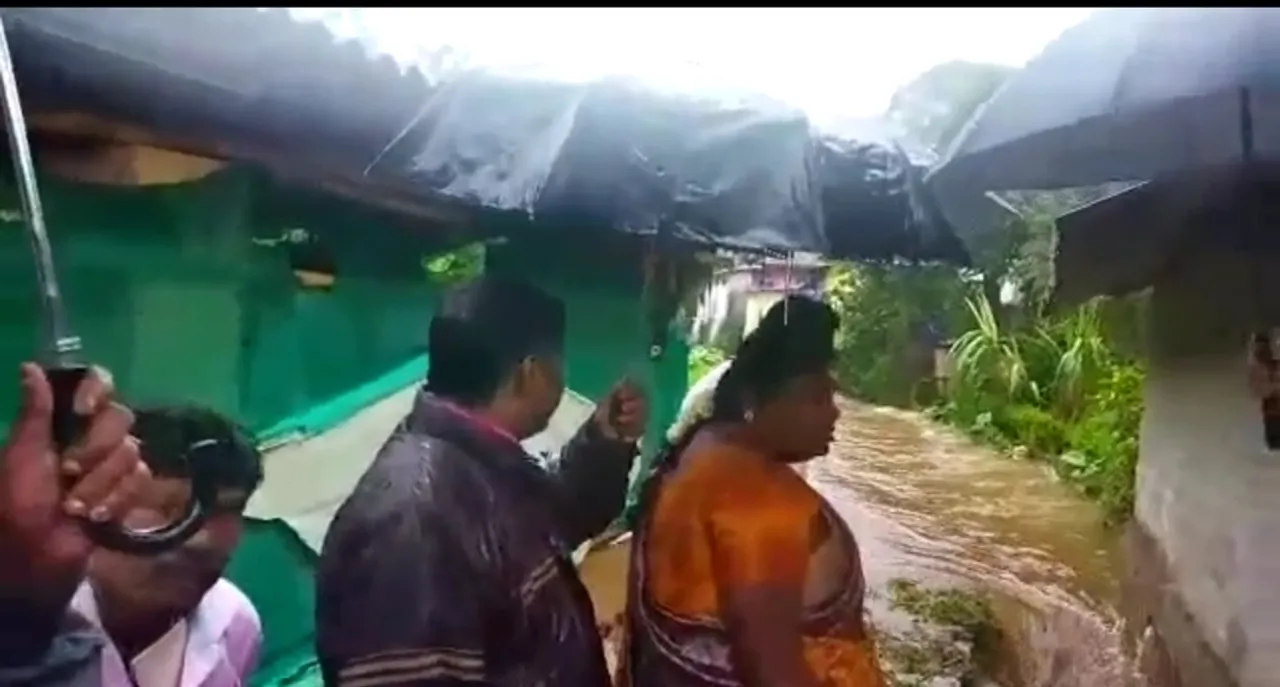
<point x="832" y="62"/>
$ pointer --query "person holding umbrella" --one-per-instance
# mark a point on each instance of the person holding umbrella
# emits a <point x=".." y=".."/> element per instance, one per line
<point x="173" y="618"/>
<point x="70" y="472"/>
<point x="44" y="546"/>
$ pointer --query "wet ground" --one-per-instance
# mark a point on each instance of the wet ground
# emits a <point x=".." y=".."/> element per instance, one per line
<point x="929" y="505"/>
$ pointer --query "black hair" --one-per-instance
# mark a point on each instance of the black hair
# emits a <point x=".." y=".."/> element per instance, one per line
<point x="229" y="458"/>
<point x="483" y="330"/>
<point x="795" y="337"/>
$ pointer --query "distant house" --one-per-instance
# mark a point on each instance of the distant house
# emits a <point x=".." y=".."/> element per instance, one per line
<point x="765" y="283"/>
<point x="738" y="297"/>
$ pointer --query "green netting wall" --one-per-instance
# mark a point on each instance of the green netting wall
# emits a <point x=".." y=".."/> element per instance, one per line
<point x="174" y="289"/>
<point x="275" y="568"/>
<point x="601" y="282"/>
<point x="170" y="288"/>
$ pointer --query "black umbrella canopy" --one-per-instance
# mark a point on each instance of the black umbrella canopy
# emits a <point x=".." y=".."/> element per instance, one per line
<point x="614" y="154"/>
<point x="1129" y="94"/>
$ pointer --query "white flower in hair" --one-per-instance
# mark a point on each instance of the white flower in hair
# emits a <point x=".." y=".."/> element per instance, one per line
<point x="698" y="401"/>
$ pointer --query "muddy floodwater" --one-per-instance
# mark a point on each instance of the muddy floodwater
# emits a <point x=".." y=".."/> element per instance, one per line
<point x="929" y="505"/>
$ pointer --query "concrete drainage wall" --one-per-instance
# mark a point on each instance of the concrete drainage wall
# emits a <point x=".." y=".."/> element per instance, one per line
<point x="1206" y="544"/>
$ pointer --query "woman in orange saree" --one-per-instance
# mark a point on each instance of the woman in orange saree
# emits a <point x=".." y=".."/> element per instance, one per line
<point x="741" y="574"/>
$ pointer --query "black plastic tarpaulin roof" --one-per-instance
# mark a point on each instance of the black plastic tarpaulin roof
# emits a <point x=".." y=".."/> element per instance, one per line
<point x="264" y="85"/>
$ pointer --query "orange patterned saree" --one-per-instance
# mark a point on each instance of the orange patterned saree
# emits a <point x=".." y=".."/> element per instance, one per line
<point x="729" y="516"/>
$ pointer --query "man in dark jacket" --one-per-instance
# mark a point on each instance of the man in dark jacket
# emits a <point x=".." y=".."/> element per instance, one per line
<point x="450" y="563"/>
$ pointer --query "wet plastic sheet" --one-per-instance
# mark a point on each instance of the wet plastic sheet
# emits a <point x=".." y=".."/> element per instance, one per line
<point x="269" y="87"/>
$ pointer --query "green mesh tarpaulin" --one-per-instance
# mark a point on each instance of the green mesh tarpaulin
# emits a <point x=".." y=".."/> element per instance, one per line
<point x="601" y="281"/>
<point x="174" y="290"/>
<point x="276" y="569"/>
<point x="181" y="292"/>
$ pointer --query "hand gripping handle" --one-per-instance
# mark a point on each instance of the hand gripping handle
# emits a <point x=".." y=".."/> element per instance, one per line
<point x="68" y="427"/>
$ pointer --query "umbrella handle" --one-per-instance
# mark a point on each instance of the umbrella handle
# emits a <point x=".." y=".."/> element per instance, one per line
<point x="68" y="426"/>
<point x="64" y="374"/>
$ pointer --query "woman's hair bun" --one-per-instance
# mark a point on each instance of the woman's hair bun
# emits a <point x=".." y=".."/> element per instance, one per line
<point x="795" y="337"/>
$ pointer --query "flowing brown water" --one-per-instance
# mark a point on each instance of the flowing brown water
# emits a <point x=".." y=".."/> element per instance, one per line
<point x="929" y="505"/>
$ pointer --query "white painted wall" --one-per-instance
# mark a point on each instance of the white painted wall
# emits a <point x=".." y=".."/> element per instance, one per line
<point x="1208" y="488"/>
<point x="758" y="303"/>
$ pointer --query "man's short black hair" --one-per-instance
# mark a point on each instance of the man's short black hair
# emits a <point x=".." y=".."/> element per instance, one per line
<point x="167" y="433"/>
<point x="483" y="329"/>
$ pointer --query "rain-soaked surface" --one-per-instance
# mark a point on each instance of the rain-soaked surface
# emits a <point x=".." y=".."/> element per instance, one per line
<point x="927" y="504"/>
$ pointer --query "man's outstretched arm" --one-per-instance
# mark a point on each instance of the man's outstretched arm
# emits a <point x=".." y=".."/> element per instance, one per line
<point x="591" y="476"/>
<point x="593" y="470"/>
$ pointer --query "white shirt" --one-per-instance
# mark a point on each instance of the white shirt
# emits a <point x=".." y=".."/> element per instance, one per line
<point x="160" y="665"/>
<point x="216" y="646"/>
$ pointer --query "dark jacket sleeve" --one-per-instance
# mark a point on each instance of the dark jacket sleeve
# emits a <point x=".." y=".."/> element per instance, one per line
<point x="27" y="628"/>
<point x="48" y="648"/>
<point x="591" y="476"/>
<point x="401" y="599"/>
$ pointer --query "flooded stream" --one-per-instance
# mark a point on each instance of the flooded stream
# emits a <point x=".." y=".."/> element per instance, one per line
<point x="928" y="505"/>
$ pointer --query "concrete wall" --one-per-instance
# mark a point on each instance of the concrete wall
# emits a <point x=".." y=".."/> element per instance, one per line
<point x="1208" y="495"/>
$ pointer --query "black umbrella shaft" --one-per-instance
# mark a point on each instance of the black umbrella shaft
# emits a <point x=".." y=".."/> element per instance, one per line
<point x="61" y="346"/>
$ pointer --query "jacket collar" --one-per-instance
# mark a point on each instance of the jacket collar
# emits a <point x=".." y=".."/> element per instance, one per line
<point x="435" y="416"/>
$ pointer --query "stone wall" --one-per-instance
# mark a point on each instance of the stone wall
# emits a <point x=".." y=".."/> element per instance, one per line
<point x="1208" y="494"/>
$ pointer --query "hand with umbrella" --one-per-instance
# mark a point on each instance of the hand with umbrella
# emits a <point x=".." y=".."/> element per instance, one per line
<point x="62" y="368"/>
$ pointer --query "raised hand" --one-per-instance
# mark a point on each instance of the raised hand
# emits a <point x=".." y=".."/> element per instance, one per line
<point x="624" y="412"/>
<point x="43" y="496"/>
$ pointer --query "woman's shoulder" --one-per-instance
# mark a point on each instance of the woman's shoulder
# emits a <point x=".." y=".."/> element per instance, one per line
<point x="736" y="476"/>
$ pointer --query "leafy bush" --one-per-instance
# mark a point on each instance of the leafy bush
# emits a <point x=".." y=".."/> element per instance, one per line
<point x="1034" y="428"/>
<point x="1055" y="385"/>
<point x="1058" y="389"/>
<point x="463" y="264"/>
<point x="891" y="319"/>
<point x="1064" y="385"/>
<point x="1104" y="443"/>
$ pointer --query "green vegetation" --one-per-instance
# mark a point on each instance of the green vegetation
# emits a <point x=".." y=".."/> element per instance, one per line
<point x="1061" y="386"/>
<point x="964" y="610"/>
<point x="456" y="266"/>
<point x="1057" y="386"/>
<point x="954" y="635"/>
